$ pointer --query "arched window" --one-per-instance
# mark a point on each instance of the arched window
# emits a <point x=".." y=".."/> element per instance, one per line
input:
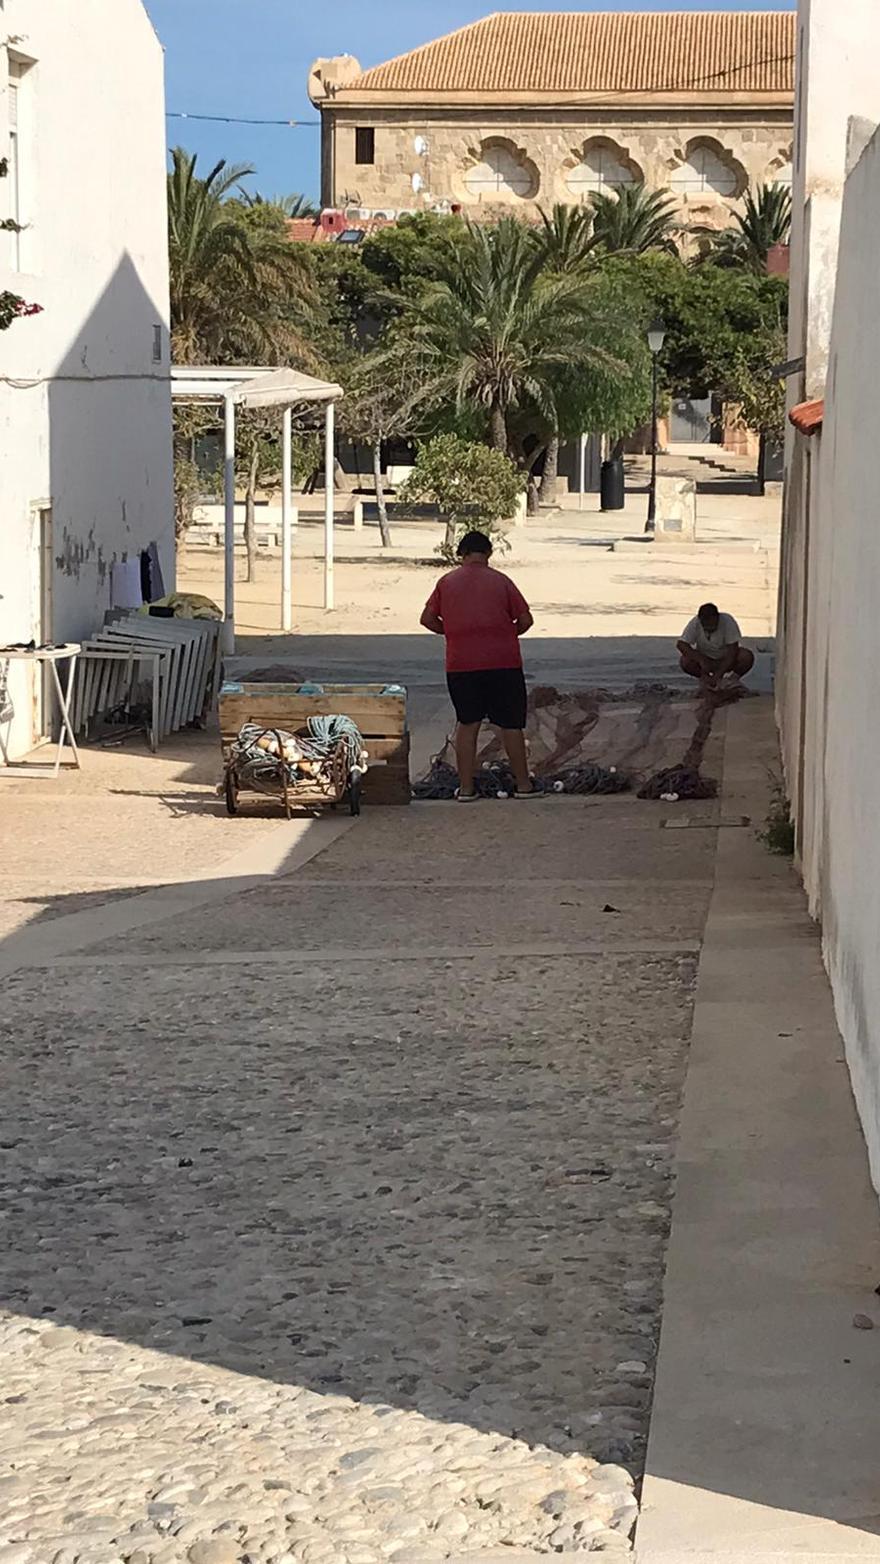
<point x="705" y="171"/>
<point x="603" y="167"/>
<point x="502" y="174"/>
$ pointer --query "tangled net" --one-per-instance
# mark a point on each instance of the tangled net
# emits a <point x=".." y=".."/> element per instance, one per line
<point x="496" y="780"/>
<point x="679" y="782"/>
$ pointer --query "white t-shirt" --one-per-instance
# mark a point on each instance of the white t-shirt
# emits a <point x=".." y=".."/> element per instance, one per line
<point x="712" y="644"/>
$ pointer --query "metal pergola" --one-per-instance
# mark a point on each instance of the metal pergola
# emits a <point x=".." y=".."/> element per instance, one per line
<point x="217" y="386"/>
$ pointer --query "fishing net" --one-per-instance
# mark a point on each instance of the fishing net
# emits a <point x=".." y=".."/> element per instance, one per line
<point x="649" y="738"/>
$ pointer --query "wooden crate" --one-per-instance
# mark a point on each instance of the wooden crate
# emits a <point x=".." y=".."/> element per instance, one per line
<point x="381" y="719"/>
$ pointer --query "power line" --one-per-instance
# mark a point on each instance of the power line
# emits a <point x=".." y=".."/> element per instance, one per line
<point x="569" y="101"/>
<point x="232" y="119"/>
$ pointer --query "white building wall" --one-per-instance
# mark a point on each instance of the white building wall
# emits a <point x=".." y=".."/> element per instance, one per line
<point x="837" y="77"/>
<point x="85" y="412"/>
<point x="841" y="774"/>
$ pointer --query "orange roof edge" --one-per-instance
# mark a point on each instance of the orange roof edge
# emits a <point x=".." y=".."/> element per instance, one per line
<point x="808" y="417"/>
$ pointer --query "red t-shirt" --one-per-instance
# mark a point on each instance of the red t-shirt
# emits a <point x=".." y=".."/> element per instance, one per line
<point x="479" y="607"/>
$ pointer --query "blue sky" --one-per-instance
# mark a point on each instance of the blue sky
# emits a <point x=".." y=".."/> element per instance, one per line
<point x="251" y="58"/>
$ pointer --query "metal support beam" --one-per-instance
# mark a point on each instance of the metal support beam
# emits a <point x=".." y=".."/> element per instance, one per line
<point x="228" y="636"/>
<point x="329" y="500"/>
<point x="582" y="481"/>
<point x="286" y="600"/>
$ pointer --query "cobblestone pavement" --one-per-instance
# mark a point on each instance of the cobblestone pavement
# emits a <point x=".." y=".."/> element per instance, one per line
<point x="335" y="1220"/>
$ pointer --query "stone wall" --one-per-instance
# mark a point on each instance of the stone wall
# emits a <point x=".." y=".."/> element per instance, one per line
<point x="545" y="148"/>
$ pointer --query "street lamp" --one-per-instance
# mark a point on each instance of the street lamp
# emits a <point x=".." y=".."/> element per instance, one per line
<point x="656" y="335"/>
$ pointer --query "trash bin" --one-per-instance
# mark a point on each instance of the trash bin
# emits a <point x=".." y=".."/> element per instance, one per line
<point x="612" y="487"/>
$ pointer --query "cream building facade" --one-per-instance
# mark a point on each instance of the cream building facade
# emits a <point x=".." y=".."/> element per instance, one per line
<point x="519" y="111"/>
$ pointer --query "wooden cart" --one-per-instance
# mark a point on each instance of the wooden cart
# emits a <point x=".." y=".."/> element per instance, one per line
<point x="377" y="710"/>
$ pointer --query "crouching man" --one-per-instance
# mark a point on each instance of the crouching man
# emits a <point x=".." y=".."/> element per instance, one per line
<point x="710" y="649"/>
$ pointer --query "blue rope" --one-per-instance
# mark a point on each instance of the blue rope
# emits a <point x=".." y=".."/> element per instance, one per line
<point x="325" y="733"/>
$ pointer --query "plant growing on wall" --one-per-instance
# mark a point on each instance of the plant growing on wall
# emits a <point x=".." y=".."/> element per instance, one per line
<point x="471" y="485"/>
<point x="12" y="305"/>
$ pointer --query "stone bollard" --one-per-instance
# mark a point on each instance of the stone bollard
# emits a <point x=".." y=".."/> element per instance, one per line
<point x="519" y="515"/>
<point x="676" y="519"/>
<point x="358" y="516"/>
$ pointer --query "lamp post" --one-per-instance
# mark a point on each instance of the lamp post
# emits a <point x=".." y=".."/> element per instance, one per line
<point x="656" y="335"/>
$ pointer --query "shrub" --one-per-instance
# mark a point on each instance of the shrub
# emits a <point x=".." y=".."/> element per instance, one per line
<point x="471" y="485"/>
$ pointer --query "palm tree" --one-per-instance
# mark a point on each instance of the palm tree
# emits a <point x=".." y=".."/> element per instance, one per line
<point x="289" y="206"/>
<point x="765" y="222"/>
<point x="634" y="220"/>
<point x="497" y="331"/>
<point x="237" y="289"/>
<point x="565" y="240"/>
<point x="566" y="245"/>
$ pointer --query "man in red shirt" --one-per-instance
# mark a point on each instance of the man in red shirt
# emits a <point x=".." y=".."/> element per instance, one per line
<point x="482" y="615"/>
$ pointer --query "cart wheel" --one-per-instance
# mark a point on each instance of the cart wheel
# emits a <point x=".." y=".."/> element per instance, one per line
<point x="231" y="793"/>
<point x="354" y="792"/>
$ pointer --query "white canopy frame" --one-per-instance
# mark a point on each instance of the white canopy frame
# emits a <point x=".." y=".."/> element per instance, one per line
<point x="217" y="386"/>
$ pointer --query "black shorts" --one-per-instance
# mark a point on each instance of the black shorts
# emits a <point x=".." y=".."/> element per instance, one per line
<point x="496" y="693"/>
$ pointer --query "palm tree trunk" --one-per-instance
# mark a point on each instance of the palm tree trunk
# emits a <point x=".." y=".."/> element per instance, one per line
<point x="551" y="472"/>
<point x="250" y="517"/>
<point x="380" y="494"/>
<point x="498" y="428"/>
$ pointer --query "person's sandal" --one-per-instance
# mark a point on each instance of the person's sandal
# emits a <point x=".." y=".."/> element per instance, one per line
<point x="533" y="792"/>
<point x="465" y="798"/>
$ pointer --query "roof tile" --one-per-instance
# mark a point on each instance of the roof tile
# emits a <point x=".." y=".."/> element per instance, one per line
<point x="600" y="51"/>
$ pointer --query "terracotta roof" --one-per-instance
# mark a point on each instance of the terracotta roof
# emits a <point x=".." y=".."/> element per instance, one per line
<point x="304" y="230"/>
<point x="808" y="417"/>
<point x="590" y="52"/>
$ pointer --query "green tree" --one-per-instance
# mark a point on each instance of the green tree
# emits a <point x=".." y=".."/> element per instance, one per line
<point x="289" y="206"/>
<point x="725" y="330"/>
<point x="564" y="239"/>
<point x="376" y="408"/>
<point x="471" y="485"/>
<point x="238" y="288"/>
<point x="565" y="243"/>
<point x="496" y="331"/>
<point x="634" y="219"/>
<point x="764" y="223"/>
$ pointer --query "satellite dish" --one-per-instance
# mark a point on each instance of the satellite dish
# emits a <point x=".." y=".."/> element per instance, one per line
<point x="417" y="182"/>
<point x="420" y="145"/>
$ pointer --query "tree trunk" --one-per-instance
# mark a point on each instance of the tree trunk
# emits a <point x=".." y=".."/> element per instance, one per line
<point x="250" y="517"/>
<point x="551" y="472"/>
<point x="380" y="494"/>
<point x="498" y="428"/>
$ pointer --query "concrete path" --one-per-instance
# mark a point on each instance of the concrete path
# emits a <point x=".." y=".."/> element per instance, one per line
<point x="764" y="1436"/>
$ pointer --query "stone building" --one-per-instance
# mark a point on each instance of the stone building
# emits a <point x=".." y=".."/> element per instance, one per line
<point x="519" y="111"/>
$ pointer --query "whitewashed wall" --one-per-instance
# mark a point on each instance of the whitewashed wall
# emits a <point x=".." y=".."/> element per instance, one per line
<point x="840" y="803"/>
<point x="85" y="420"/>
<point x="837" y="78"/>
